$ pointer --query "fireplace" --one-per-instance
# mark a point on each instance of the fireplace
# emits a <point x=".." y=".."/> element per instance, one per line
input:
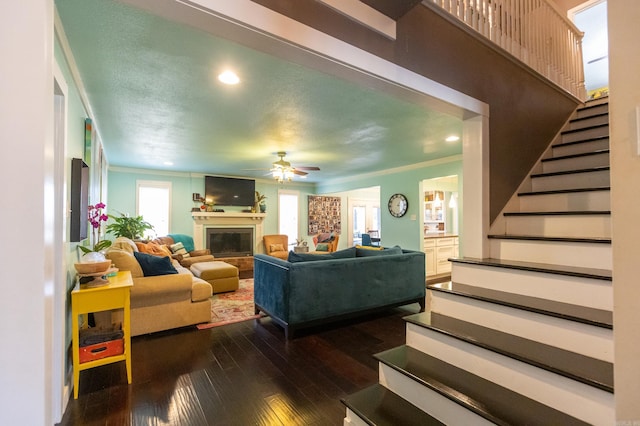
<point x="230" y="242"/>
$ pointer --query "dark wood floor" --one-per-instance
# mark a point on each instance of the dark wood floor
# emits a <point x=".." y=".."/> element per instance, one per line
<point x="239" y="374"/>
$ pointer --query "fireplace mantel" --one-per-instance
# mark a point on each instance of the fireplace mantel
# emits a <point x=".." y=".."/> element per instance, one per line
<point x="203" y="220"/>
<point x="216" y="216"/>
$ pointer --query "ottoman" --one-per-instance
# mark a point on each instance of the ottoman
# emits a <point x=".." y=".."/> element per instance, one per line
<point x="222" y="276"/>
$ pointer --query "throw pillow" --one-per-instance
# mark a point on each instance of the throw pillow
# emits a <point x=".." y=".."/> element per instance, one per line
<point x="125" y="244"/>
<point x="153" y="248"/>
<point x="322" y="247"/>
<point x="369" y="247"/>
<point x="124" y="261"/>
<point x="307" y="257"/>
<point x="347" y="253"/>
<point x="153" y="265"/>
<point x="178" y="248"/>
<point x="362" y="252"/>
<point x="276" y="247"/>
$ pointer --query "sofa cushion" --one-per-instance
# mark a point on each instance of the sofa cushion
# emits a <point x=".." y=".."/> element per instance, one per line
<point x="362" y="252"/>
<point x="124" y="261"/>
<point x="154" y="265"/>
<point x="304" y="257"/>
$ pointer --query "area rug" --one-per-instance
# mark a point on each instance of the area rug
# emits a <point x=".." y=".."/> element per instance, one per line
<point x="231" y="307"/>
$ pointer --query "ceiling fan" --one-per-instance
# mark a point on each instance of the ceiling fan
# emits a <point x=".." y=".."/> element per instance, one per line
<point x="282" y="169"/>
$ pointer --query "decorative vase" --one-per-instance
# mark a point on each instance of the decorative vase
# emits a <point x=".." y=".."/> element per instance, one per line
<point x="263" y="208"/>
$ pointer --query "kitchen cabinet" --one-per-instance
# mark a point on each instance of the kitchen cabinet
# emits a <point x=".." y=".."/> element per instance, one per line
<point x="438" y="249"/>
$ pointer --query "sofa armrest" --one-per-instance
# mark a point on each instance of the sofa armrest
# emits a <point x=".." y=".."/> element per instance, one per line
<point x="271" y="285"/>
<point x="202" y="252"/>
<point x="148" y="291"/>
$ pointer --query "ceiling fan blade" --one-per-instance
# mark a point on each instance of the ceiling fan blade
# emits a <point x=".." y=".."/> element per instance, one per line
<point x="310" y="168"/>
<point x="299" y="172"/>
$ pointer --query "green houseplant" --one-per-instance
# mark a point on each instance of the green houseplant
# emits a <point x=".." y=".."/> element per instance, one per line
<point x="131" y="227"/>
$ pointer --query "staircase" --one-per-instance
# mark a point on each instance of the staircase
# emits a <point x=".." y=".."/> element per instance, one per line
<point x="526" y="336"/>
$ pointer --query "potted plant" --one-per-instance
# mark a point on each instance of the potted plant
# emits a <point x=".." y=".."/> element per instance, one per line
<point x="96" y="217"/>
<point x="131" y="227"/>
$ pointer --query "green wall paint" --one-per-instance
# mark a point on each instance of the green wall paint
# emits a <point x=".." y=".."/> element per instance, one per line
<point x="402" y="231"/>
<point x="121" y="197"/>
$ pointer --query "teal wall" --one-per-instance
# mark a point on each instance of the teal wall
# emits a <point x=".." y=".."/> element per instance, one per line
<point x="121" y="197"/>
<point x="402" y="231"/>
<point x="74" y="148"/>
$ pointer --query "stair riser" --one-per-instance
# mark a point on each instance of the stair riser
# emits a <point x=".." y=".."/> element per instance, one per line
<point x="573" y="201"/>
<point x="428" y="400"/>
<point x="584" y="255"/>
<point x="588" y="122"/>
<point x="352" y="419"/>
<point x="580" y="148"/>
<point x="571" y="181"/>
<point x="591" y="293"/>
<point x="594" y="132"/>
<point x="588" y="226"/>
<point x="579" y="400"/>
<point x="589" y="340"/>
<point x="588" y="112"/>
<point x="577" y="163"/>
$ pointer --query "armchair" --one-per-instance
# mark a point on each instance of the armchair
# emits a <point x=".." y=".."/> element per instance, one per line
<point x="332" y="243"/>
<point x="276" y="245"/>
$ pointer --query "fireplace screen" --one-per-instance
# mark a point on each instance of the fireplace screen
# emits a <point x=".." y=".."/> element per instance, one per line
<point x="230" y="242"/>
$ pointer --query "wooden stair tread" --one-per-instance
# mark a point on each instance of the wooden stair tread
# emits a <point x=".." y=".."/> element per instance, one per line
<point x="572" y="271"/>
<point x="587" y="140"/>
<point x="560" y="213"/>
<point x="591" y="371"/>
<point x="602" y="114"/>
<point x="597" y="126"/>
<point x="485" y="398"/>
<point x="571" y="172"/>
<point x="582" y="314"/>
<point x="378" y="406"/>
<point x="556" y="239"/>
<point x="564" y="191"/>
<point x="582" y="154"/>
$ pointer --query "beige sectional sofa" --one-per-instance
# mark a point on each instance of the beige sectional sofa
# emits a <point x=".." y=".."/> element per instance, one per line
<point x="161" y="302"/>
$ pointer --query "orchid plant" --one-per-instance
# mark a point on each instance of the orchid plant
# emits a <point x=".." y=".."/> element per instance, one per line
<point x="96" y="218"/>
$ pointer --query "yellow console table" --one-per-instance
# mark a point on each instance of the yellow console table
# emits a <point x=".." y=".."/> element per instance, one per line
<point x="85" y="300"/>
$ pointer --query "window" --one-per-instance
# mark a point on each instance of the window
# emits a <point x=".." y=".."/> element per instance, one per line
<point x="288" y="212"/>
<point x="154" y="205"/>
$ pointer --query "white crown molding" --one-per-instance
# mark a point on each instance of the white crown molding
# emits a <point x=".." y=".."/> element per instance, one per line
<point x="366" y="15"/>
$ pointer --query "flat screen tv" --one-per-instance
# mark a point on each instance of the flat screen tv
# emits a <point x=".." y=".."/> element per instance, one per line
<point x="225" y="191"/>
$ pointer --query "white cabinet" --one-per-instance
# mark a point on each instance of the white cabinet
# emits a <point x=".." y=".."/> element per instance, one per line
<point x="437" y="251"/>
<point x="429" y="249"/>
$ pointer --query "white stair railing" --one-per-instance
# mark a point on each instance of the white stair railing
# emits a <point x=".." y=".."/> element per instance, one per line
<point x="534" y="31"/>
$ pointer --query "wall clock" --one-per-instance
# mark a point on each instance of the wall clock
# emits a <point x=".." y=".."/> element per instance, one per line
<point x="398" y="205"/>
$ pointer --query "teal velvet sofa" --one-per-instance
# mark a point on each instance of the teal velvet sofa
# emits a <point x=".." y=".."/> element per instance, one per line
<point x="343" y="284"/>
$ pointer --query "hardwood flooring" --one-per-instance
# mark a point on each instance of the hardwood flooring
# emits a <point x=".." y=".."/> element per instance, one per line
<point x="239" y="374"/>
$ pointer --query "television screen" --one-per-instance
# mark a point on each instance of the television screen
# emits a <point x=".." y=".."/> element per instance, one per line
<point x="224" y="191"/>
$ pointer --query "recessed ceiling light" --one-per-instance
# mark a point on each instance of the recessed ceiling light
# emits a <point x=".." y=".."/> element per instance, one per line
<point x="229" y="77"/>
<point x="168" y="163"/>
<point x="452" y="138"/>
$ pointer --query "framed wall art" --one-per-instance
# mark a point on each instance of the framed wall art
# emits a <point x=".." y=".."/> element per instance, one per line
<point x="324" y="214"/>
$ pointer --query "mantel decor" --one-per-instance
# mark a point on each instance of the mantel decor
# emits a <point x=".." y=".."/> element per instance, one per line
<point x="324" y="214"/>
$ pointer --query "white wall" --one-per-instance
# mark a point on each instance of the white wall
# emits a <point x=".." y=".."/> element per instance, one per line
<point x="26" y="171"/>
<point x="624" y="67"/>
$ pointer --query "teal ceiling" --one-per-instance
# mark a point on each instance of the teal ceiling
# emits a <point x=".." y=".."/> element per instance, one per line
<point x="153" y="90"/>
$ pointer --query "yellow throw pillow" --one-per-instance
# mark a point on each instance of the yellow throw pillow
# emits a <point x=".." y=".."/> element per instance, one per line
<point x="369" y="247"/>
<point x="276" y="247"/>
<point x="125" y="261"/>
